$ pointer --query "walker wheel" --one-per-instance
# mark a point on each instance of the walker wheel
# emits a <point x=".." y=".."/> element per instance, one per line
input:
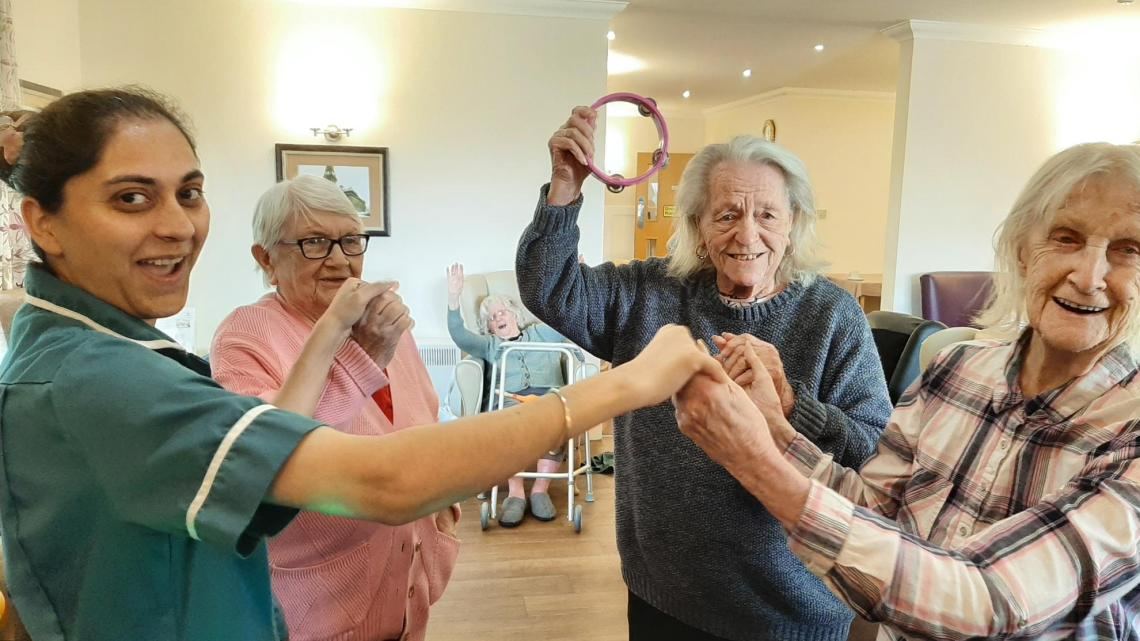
<point x="577" y="519"/>
<point x="484" y="515"/>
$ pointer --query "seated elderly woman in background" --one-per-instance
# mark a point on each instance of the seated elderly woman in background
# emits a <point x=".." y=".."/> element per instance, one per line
<point x="527" y="374"/>
<point x="1004" y="498"/>
<point x="337" y="576"/>
<point x="701" y="558"/>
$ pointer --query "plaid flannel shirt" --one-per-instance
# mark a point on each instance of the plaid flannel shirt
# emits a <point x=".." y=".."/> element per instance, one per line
<point x="984" y="514"/>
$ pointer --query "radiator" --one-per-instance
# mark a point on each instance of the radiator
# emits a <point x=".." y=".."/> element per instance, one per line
<point x="440" y="359"/>
<point x="439" y="354"/>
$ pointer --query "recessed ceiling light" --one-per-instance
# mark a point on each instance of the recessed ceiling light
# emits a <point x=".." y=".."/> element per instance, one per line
<point x="610" y="35"/>
<point x="686" y="93"/>
<point x="819" y="47"/>
<point x="747" y="73"/>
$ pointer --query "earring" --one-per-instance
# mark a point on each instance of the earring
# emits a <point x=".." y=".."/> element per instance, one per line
<point x="701" y="256"/>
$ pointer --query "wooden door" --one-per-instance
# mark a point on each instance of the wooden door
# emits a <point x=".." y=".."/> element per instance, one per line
<point x="656" y="201"/>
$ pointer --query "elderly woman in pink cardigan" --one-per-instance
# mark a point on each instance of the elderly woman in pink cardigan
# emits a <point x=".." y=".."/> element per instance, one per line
<point x="337" y="578"/>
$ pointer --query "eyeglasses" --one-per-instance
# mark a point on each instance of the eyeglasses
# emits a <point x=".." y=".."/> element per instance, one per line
<point x="318" y="247"/>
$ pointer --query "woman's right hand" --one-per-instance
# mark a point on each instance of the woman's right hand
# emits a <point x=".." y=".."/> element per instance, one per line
<point x="667" y="363"/>
<point x="454" y="285"/>
<point x="571" y="147"/>
<point x="350" y="303"/>
<point x="734" y="349"/>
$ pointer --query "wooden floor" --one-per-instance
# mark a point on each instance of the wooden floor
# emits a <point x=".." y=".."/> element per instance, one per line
<point x="539" y="580"/>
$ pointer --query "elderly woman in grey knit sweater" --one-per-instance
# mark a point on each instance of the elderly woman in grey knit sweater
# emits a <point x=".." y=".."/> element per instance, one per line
<point x="702" y="558"/>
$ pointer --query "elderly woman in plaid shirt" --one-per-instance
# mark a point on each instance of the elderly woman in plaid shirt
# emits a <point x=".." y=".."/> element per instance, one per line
<point x="1004" y="498"/>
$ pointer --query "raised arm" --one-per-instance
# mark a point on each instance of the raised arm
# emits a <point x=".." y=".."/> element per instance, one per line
<point x="587" y="305"/>
<point x="478" y="345"/>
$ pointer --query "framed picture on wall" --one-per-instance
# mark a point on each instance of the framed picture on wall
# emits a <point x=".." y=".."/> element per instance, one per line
<point x="360" y="172"/>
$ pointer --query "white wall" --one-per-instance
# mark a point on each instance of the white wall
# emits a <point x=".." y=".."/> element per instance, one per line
<point x="47" y="42"/>
<point x="975" y="121"/>
<point x="465" y="103"/>
<point x="844" y="138"/>
<point x="626" y="135"/>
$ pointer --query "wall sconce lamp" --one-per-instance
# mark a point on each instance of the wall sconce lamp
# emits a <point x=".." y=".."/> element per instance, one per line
<point x="332" y="133"/>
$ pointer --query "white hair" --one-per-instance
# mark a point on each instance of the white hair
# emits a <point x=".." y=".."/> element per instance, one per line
<point x="300" y="197"/>
<point x="1062" y="176"/>
<point x="508" y="302"/>
<point x="801" y="261"/>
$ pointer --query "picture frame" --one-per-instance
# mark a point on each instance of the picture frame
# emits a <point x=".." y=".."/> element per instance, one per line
<point x="360" y="172"/>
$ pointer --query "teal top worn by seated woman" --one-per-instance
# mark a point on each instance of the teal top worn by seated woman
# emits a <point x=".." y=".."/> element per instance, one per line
<point x="524" y="369"/>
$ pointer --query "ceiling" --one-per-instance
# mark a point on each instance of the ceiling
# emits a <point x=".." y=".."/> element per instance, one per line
<point x="667" y="46"/>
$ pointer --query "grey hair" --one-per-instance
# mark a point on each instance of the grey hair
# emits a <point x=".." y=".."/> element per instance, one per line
<point x="1062" y="175"/>
<point x="303" y="196"/>
<point x="506" y="301"/>
<point x="801" y="262"/>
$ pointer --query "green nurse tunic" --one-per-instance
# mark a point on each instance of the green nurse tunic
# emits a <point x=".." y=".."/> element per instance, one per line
<point x="132" y="486"/>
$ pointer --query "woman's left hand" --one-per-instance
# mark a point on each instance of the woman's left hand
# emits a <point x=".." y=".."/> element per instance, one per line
<point x="384" y="322"/>
<point x="733" y="356"/>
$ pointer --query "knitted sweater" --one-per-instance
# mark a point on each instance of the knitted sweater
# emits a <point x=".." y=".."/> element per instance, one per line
<point x="524" y="369"/>
<point x="339" y="579"/>
<point x="693" y="543"/>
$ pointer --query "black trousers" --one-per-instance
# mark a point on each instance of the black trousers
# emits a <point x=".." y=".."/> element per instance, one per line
<point x="647" y="623"/>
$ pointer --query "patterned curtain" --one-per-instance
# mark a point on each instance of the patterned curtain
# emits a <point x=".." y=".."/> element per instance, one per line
<point x="9" y="78"/>
<point x="15" y="250"/>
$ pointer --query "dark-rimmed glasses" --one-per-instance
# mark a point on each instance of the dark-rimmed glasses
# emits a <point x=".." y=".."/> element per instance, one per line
<point x="319" y="247"/>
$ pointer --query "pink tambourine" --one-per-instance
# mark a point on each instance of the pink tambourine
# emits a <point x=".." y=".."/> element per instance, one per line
<point x="648" y="108"/>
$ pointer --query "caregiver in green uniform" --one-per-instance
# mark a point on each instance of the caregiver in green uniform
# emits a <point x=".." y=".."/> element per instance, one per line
<point x="136" y="493"/>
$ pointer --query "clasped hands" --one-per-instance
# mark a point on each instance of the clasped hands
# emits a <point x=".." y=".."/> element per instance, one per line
<point x="740" y="419"/>
<point x="374" y="315"/>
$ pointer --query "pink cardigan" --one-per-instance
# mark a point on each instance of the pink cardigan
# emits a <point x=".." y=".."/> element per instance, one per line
<point x="338" y="579"/>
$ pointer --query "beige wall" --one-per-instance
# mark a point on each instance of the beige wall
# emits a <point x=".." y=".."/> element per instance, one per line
<point x="844" y="138"/>
<point x="463" y="101"/>
<point x="627" y="135"/>
<point x="47" y="42"/>
<point x="979" y="120"/>
<point x="976" y="119"/>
